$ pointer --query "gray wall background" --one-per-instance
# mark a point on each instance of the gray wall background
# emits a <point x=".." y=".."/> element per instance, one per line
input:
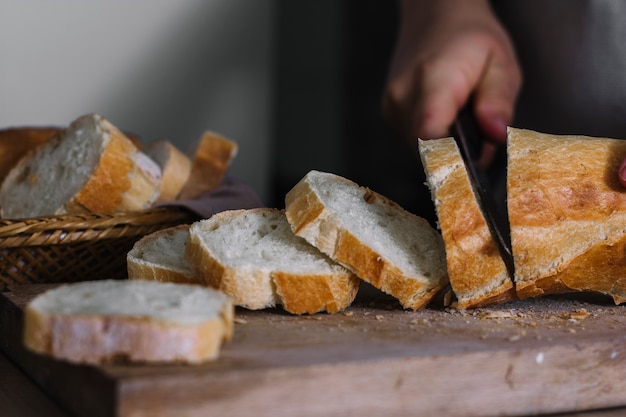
<point x="160" y="68"/>
<point x="296" y="83"/>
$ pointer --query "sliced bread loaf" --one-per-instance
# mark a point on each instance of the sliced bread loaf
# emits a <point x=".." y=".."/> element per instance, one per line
<point x="139" y="321"/>
<point x="160" y="256"/>
<point x="175" y="168"/>
<point x="392" y="249"/>
<point x="253" y="256"/>
<point x="478" y="274"/>
<point x="90" y="166"/>
<point x="567" y="212"/>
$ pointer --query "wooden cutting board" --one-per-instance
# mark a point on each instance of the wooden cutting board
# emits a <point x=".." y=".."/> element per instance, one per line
<point x="535" y="356"/>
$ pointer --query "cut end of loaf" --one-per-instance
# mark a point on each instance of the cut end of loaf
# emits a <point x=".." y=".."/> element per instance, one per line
<point x="567" y="220"/>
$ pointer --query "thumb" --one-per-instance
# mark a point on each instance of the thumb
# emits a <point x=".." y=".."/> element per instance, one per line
<point x="495" y="97"/>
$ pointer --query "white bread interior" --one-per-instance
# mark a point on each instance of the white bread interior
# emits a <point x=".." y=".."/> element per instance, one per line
<point x="175" y="168"/>
<point x="160" y="256"/>
<point x="392" y="249"/>
<point x="478" y="274"/>
<point x="90" y="166"/>
<point x="567" y="212"/>
<point x="139" y="321"/>
<point x="253" y="256"/>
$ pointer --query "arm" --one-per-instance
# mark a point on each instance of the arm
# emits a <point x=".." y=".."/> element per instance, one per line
<point x="446" y="51"/>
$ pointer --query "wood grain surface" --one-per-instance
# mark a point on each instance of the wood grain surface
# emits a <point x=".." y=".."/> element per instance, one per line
<point x="537" y="356"/>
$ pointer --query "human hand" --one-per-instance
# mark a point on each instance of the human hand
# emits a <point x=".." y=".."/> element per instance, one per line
<point x="622" y="173"/>
<point x="448" y="51"/>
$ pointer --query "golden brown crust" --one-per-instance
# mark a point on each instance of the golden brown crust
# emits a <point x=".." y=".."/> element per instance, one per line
<point x="310" y="219"/>
<point x="259" y="288"/>
<point x="212" y="158"/>
<point x="478" y="274"/>
<point x="176" y="168"/>
<point x="155" y="273"/>
<point x="246" y="288"/>
<point x="103" y="192"/>
<point x="313" y="293"/>
<point x="105" y="339"/>
<point x="567" y="212"/>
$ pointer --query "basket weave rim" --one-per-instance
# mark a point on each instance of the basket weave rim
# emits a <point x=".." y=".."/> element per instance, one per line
<point x="77" y="227"/>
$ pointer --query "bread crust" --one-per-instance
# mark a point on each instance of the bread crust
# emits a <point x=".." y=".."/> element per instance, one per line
<point x="313" y="221"/>
<point x="255" y="288"/>
<point x="118" y="183"/>
<point x="95" y="339"/>
<point x="139" y="268"/>
<point x="211" y="159"/>
<point x="175" y="168"/>
<point x="478" y="274"/>
<point x="567" y="212"/>
<point x="309" y="294"/>
<point x="248" y="289"/>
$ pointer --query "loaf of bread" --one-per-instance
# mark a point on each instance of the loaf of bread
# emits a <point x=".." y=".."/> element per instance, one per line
<point x="567" y="212"/>
<point x="90" y="166"/>
<point x="139" y="321"/>
<point x="253" y="256"/>
<point x="212" y="156"/>
<point x="175" y="168"/>
<point x="478" y="274"/>
<point x="394" y="250"/>
<point x="159" y="256"/>
<point x="17" y="142"/>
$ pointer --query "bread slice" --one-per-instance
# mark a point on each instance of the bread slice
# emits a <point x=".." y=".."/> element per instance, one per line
<point x="139" y="321"/>
<point x="160" y="256"/>
<point x="175" y="168"/>
<point x="212" y="157"/>
<point x="392" y="249"/>
<point x="567" y="212"/>
<point x="478" y="274"/>
<point x="253" y="256"/>
<point x="90" y="166"/>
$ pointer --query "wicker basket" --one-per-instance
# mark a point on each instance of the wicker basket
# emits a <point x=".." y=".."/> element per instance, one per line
<point x="72" y="248"/>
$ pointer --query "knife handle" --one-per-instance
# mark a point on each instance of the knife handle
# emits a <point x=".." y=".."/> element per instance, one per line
<point x="467" y="126"/>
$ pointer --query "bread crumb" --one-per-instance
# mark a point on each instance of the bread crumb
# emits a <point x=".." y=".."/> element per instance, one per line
<point x="348" y="313"/>
<point x="379" y="317"/>
<point x="238" y="320"/>
<point x="495" y="314"/>
<point x="579" y="314"/>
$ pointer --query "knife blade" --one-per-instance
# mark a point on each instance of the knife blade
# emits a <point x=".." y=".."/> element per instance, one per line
<point x="468" y="137"/>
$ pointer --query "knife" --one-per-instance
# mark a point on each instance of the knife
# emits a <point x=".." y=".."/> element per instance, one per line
<point x="468" y="137"/>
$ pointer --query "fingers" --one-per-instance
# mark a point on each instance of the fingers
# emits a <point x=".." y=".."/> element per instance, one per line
<point x="444" y="86"/>
<point x="487" y="155"/>
<point x="495" y="96"/>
